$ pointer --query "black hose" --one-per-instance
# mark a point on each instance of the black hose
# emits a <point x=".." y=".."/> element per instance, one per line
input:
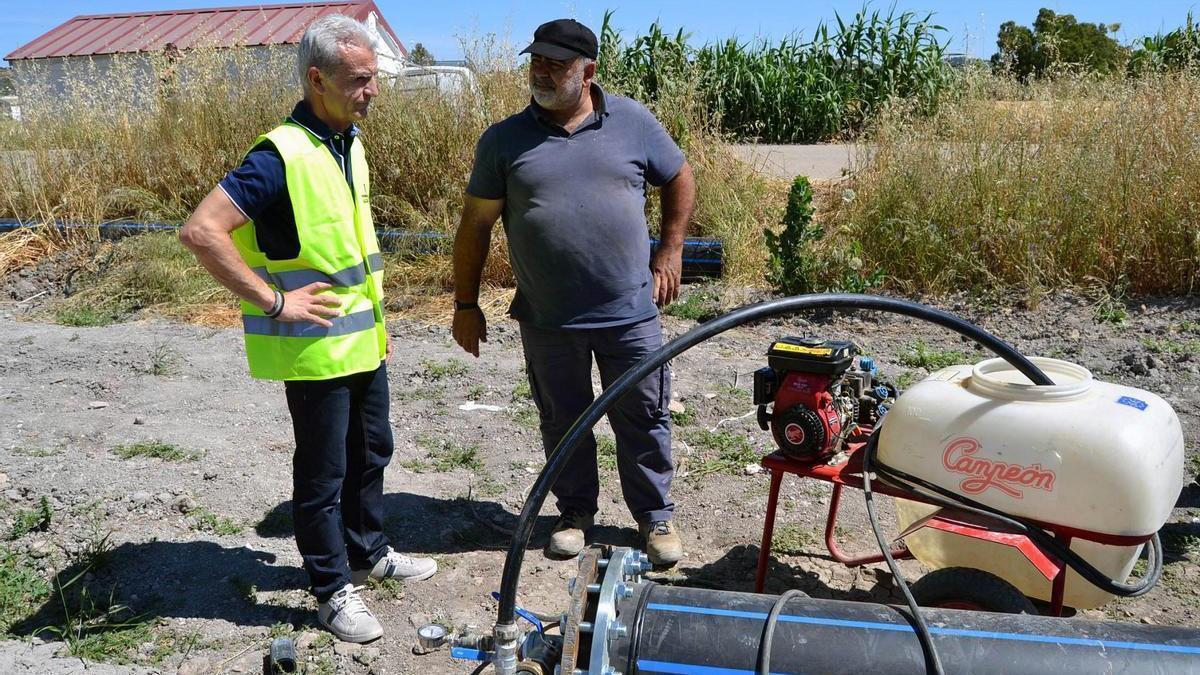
<point x="932" y="660"/>
<point x="768" y="634"/>
<point x="557" y="461"/>
<point x="1045" y="541"/>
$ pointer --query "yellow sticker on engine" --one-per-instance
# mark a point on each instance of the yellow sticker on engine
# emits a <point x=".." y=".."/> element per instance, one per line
<point x="800" y="349"/>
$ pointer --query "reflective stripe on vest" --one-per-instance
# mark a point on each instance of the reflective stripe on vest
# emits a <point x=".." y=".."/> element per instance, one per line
<point x="337" y="247"/>
<point x="351" y="276"/>
<point x="342" y="325"/>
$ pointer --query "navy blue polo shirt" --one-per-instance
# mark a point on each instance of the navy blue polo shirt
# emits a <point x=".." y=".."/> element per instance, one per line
<point x="575" y="210"/>
<point x="258" y="188"/>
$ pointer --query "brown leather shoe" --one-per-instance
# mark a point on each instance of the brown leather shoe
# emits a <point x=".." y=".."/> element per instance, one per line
<point x="662" y="542"/>
<point x="567" y="538"/>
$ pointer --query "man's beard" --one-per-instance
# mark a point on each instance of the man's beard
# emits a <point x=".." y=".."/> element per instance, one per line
<point x="562" y="97"/>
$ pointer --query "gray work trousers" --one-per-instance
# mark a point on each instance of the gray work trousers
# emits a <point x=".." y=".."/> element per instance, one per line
<point x="559" y="365"/>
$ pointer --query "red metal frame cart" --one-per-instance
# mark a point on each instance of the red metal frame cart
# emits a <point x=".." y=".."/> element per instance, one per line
<point x="848" y="473"/>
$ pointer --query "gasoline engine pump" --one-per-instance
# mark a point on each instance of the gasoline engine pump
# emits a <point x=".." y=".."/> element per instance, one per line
<point x="812" y="396"/>
<point x="817" y="393"/>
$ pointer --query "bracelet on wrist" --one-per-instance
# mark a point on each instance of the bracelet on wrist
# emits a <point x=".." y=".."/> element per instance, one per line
<point x="276" y="307"/>
<point x="460" y="306"/>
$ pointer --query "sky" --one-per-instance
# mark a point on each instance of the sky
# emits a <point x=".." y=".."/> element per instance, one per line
<point x="443" y="25"/>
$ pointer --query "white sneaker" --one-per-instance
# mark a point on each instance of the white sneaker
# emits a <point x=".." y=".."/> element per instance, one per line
<point x="396" y="566"/>
<point x="347" y="617"/>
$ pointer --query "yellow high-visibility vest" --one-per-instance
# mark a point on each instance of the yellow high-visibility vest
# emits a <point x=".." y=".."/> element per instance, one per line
<point x="337" y="246"/>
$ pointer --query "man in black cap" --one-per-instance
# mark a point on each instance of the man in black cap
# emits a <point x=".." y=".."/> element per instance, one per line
<point x="569" y="176"/>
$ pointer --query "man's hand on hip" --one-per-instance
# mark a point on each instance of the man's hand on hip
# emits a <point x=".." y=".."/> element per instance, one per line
<point x="470" y="328"/>
<point x="667" y="268"/>
<point x="310" y="304"/>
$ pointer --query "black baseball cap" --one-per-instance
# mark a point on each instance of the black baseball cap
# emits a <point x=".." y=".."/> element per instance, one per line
<point x="563" y="39"/>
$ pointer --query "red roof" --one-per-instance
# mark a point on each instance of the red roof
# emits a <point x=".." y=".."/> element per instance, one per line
<point x="217" y="27"/>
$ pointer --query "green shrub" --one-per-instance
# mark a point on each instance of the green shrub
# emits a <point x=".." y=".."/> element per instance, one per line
<point x="721" y="452"/>
<point x="21" y="589"/>
<point x="443" y="456"/>
<point x="791" y="266"/>
<point x="920" y="355"/>
<point x="204" y="520"/>
<point x="452" y="455"/>
<point x="72" y="315"/>
<point x="697" y="303"/>
<point x="436" y="370"/>
<point x="606" y="452"/>
<point x="156" y="449"/>
<point x="32" y="520"/>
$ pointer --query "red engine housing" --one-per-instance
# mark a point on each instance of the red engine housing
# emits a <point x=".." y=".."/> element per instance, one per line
<point x="804" y="422"/>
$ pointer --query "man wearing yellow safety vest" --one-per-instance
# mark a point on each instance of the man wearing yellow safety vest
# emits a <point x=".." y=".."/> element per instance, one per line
<point x="290" y="232"/>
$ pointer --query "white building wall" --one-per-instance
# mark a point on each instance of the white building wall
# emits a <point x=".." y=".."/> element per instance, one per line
<point x="98" y="80"/>
<point x="391" y="58"/>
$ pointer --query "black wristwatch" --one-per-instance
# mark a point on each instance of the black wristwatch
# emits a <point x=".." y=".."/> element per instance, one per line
<point x="460" y="306"/>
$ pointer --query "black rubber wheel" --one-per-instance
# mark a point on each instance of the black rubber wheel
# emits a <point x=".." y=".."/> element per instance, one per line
<point x="969" y="588"/>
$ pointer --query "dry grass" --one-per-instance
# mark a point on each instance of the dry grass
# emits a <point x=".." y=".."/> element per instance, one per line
<point x="1078" y="181"/>
<point x="213" y="315"/>
<point x="1082" y="181"/>
<point x="152" y="274"/>
<point x="83" y="157"/>
<point x="23" y="248"/>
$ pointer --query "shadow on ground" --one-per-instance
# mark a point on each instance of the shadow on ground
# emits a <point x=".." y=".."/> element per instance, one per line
<point x="204" y="580"/>
<point x="1181" y="542"/>
<point x="191" y="579"/>
<point x="427" y="525"/>
<point x="735" y="571"/>
<point x="1189" y="498"/>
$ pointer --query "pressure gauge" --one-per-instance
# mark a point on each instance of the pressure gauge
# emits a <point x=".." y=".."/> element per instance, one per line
<point x="432" y="636"/>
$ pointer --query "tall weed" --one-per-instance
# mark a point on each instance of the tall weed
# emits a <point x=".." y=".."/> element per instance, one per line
<point x="1081" y="181"/>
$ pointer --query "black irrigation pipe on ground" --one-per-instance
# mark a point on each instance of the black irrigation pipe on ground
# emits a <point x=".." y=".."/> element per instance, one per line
<point x="702" y="257"/>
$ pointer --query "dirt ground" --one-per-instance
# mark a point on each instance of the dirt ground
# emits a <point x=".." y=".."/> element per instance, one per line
<point x="200" y="544"/>
<point x="823" y="162"/>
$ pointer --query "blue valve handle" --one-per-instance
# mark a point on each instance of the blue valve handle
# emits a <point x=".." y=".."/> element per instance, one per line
<point x="468" y="654"/>
<point x="524" y="614"/>
<point x="472" y="654"/>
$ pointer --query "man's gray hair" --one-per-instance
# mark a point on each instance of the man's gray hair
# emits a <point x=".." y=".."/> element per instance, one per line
<point x="323" y="40"/>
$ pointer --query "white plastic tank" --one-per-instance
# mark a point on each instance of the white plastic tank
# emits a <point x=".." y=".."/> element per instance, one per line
<point x="1082" y="453"/>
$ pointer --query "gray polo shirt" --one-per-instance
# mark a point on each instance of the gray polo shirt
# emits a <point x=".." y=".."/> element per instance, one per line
<point x="575" y="210"/>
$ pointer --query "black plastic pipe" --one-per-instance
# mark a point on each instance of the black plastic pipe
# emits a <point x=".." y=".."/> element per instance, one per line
<point x="390" y="240"/>
<point x="683" y="630"/>
<point x="702" y="257"/>
<point x="557" y="460"/>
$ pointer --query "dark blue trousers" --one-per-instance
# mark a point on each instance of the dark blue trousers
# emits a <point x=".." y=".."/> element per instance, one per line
<point x="559" y="365"/>
<point x="343" y="444"/>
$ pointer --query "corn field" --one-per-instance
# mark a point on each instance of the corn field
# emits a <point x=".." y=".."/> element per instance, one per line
<point x="792" y="91"/>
